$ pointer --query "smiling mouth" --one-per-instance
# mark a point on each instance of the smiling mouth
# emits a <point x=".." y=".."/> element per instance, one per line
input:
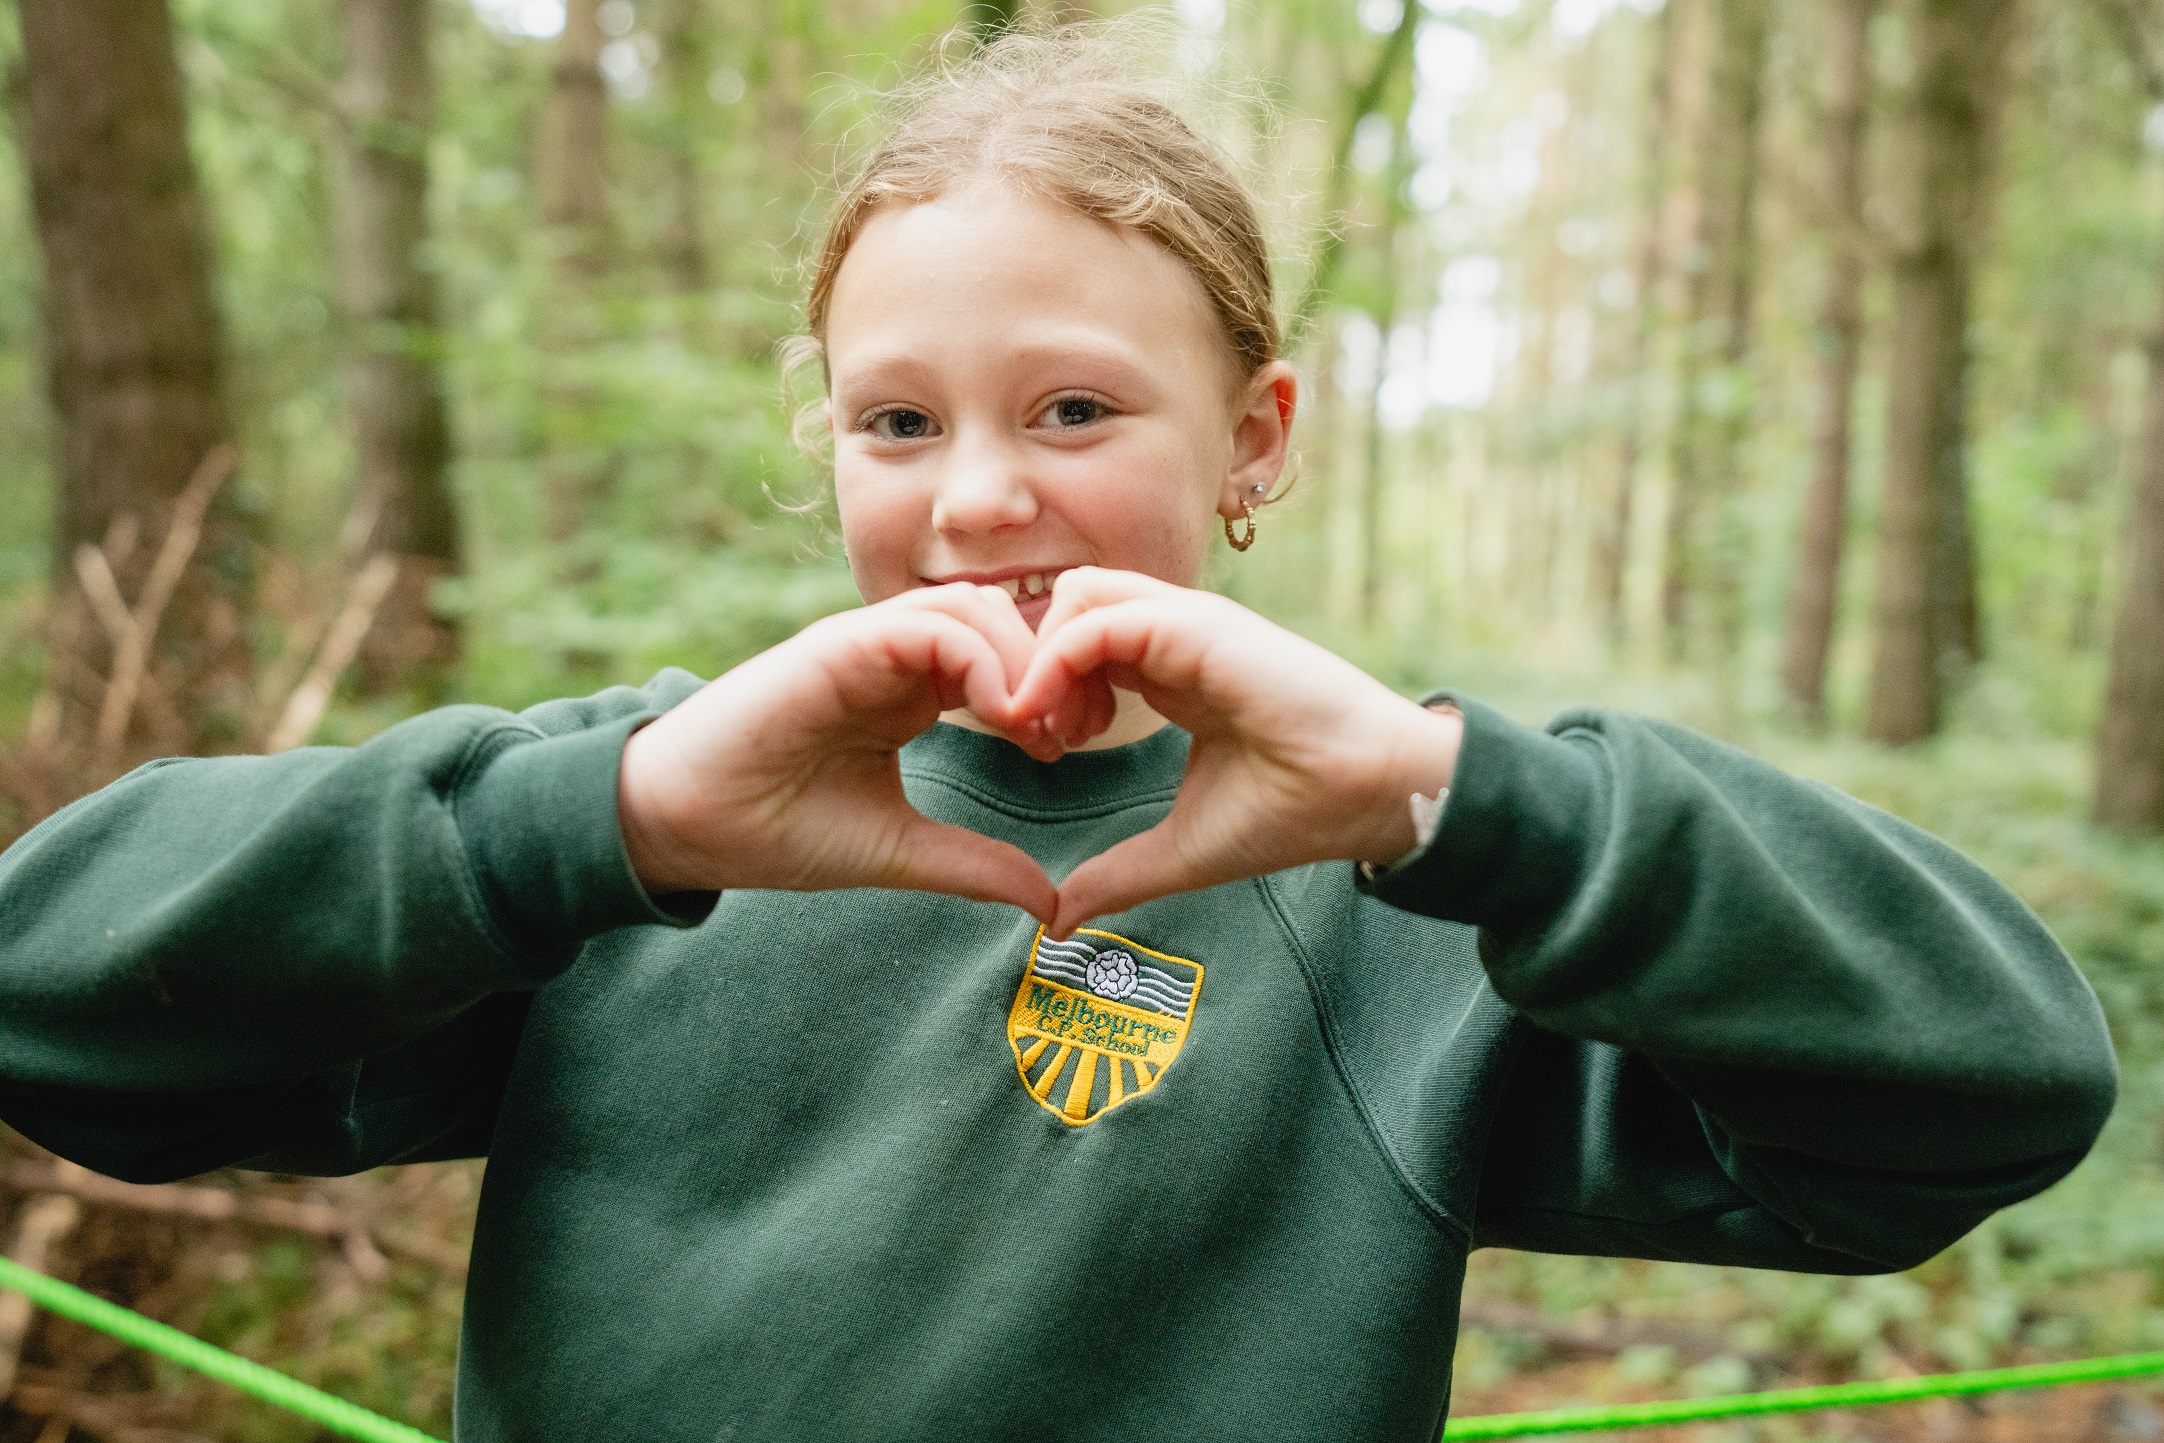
<point x="1037" y="583"/>
<point x="1022" y="586"/>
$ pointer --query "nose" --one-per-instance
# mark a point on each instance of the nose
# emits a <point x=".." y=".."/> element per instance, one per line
<point x="983" y="487"/>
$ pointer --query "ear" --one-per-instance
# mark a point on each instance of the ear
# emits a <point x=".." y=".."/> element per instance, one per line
<point x="1261" y="438"/>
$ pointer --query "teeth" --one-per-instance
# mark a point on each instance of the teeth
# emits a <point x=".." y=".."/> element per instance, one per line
<point x="1035" y="582"/>
<point x="1012" y="587"/>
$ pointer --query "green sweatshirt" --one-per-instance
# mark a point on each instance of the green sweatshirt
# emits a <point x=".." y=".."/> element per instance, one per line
<point x="883" y="1166"/>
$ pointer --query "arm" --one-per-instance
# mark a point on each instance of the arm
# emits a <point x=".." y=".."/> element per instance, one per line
<point x="1771" y="1024"/>
<point x="319" y="961"/>
<point x="315" y="961"/>
<point x="1756" y="1020"/>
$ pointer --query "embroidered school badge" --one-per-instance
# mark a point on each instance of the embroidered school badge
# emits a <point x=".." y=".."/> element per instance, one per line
<point x="1097" y="1021"/>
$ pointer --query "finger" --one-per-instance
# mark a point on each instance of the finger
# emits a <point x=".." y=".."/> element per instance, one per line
<point x="1141" y="868"/>
<point x="987" y="608"/>
<point x="1159" y="639"/>
<point x="1087" y="587"/>
<point x="906" y="664"/>
<point x="1090" y="710"/>
<point x="938" y="857"/>
<point x="967" y="672"/>
<point x="972" y="670"/>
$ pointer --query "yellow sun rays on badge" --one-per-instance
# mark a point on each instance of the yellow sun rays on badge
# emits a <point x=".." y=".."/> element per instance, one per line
<point x="1097" y="1020"/>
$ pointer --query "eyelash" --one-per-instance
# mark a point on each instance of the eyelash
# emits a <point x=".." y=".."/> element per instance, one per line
<point x="869" y="421"/>
<point x="1105" y="408"/>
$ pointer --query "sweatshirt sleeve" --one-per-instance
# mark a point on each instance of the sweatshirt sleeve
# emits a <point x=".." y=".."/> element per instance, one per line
<point x="317" y="961"/>
<point x="1767" y="1024"/>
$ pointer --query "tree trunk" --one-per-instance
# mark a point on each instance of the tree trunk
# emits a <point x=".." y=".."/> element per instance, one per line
<point x="1372" y="483"/>
<point x="574" y="161"/>
<point x="1815" y="595"/>
<point x="133" y="344"/>
<point x="575" y="206"/>
<point x="394" y="379"/>
<point x="683" y="87"/>
<point x="1924" y="612"/>
<point x="1612" y="551"/>
<point x="1703" y="562"/>
<point x="1395" y="56"/>
<point x="2130" y="734"/>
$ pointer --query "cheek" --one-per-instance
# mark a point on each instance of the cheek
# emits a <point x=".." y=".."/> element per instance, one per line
<point x="1145" y="507"/>
<point x="881" y="526"/>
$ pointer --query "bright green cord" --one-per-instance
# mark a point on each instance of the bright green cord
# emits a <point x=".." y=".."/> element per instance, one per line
<point x="348" y="1420"/>
<point x="1796" y="1400"/>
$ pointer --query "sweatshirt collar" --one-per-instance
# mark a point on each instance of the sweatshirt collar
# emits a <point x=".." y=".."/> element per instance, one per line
<point x="1093" y="782"/>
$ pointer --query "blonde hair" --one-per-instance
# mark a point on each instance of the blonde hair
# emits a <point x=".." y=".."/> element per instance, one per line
<point x="1062" y="116"/>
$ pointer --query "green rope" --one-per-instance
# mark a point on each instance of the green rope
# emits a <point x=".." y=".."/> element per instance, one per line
<point x="1796" y="1400"/>
<point x="348" y="1420"/>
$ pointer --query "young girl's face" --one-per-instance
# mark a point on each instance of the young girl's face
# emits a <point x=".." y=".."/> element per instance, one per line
<point x="1016" y="389"/>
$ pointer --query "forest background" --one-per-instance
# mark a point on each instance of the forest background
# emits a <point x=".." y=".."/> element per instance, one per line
<point x="1785" y="368"/>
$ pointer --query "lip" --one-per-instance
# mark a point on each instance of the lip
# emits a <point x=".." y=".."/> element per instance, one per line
<point x="994" y="578"/>
<point x="1032" y="608"/>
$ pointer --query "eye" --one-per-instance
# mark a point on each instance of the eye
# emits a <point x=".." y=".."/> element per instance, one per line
<point x="901" y="424"/>
<point x="1068" y="413"/>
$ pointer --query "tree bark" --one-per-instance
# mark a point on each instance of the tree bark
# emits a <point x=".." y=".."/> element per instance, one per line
<point x="2130" y="734"/>
<point x="575" y="207"/>
<point x="1612" y="553"/>
<point x="134" y="349"/>
<point x="394" y="378"/>
<point x="1395" y="55"/>
<point x="683" y="86"/>
<point x="574" y="161"/>
<point x="1703" y="565"/>
<point x="1816" y="590"/>
<point x="1925" y="609"/>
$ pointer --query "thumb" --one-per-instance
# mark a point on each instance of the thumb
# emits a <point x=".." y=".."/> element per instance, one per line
<point x="938" y="857"/>
<point x="1142" y="867"/>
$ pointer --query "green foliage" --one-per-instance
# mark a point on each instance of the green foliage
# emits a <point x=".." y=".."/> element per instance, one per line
<point x="688" y="551"/>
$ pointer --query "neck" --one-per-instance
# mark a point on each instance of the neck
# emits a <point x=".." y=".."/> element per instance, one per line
<point x="1134" y="720"/>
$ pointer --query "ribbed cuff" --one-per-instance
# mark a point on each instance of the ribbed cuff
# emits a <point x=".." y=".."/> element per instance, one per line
<point x="540" y="826"/>
<point x="1524" y="816"/>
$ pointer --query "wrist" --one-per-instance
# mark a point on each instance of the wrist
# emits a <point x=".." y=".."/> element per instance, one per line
<point x="661" y="865"/>
<point x="1421" y="758"/>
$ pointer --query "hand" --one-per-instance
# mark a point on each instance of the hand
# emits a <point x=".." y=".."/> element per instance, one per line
<point x="1298" y="756"/>
<point x="783" y="772"/>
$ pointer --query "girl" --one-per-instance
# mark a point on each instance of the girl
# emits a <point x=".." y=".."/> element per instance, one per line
<point x="815" y="1109"/>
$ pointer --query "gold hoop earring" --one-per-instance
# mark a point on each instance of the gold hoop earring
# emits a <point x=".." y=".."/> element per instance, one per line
<point x="1236" y="541"/>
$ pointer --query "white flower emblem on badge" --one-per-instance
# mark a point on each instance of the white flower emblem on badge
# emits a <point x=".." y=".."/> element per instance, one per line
<point x="1112" y="974"/>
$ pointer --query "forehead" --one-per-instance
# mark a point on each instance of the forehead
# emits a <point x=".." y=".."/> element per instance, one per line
<point x="993" y="266"/>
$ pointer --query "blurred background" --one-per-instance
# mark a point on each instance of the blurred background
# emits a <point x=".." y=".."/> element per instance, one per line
<point x="1784" y="368"/>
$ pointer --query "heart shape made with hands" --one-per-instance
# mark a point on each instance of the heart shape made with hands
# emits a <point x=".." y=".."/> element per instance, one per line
<point x="784" y="772"/>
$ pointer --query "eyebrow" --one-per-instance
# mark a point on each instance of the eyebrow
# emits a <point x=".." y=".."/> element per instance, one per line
<point x="881" y="370"/>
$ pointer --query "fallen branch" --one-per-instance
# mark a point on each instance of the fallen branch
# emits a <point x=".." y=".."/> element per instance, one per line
<point x="1613" y="1335"/>
<point x="106" y="1418"/>
<point x="131" y="650"/>
<point x="95" y="574"/>
<point x="44" y="1221"/>
<point x="217" y="1204"/>
<point x="305" y="708"/>
<point x="61" y="633"/>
